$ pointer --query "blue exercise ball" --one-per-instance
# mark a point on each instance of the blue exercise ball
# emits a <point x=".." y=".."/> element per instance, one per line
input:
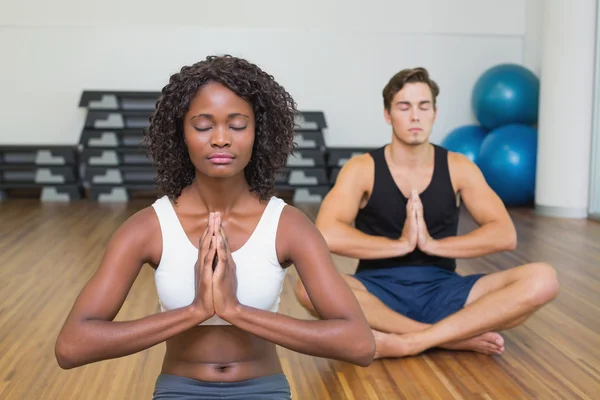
<point x="465" y="140"/>
<point x="506" y="94"/>
<point x="507" y="159"/>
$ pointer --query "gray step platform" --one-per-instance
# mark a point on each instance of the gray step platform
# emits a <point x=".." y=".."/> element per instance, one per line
<point x="38" y="155"/>
<point x="93" y="138"/>
<point x="334" y="174"/>
<point x="305" y="194"/>
<point x="45" y="192"/>
<point x="114" y="156"/>
<point x="338" y="156"/>
<point x="119" y="175"/>
<point x="37" y="174"/>
<point x="306" y="158"/>
<point x="309" y="139"/>
<point x="302" y="177"/>
<point x="121" y="193"/>
<point x="118" y="119"/>
<point x="107" y="138"/>
<point x="118" y="100"/>
<point x="311" y="120"/>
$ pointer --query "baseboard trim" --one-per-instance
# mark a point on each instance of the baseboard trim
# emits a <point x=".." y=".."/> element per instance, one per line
<point x="561" y="212"/>
<point x="595" y="216"/>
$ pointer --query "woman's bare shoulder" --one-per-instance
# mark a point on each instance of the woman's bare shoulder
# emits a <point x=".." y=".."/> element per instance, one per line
<point x="141" y="232"/>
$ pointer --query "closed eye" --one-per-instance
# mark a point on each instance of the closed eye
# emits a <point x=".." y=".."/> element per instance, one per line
<point x="235" y="128"/>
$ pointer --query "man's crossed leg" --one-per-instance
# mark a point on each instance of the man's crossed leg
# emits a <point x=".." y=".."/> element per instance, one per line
<point x="498" y="301"/>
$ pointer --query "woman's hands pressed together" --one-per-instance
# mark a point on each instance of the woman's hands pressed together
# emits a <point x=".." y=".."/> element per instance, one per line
<point x="203" y="302"/>
<point x="224" y="277"/>
<point x="215" y="272"/>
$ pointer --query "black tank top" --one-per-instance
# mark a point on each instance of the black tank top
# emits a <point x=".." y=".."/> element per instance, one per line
<point x="385" y="212"/>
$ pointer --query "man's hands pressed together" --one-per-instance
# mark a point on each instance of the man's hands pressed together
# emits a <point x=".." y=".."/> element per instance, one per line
<point x="415" y="233"/>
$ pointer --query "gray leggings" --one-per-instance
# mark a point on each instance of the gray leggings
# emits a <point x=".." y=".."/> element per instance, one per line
<point x="274" y="387"/>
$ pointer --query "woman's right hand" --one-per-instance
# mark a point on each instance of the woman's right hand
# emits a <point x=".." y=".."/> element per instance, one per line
<point x="207" y="251"/>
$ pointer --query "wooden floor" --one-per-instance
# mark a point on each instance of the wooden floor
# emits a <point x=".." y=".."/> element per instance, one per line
<point x="49" y="251"/>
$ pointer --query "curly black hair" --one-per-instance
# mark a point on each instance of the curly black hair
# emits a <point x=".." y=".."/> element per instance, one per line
<point x="274" y="110"/>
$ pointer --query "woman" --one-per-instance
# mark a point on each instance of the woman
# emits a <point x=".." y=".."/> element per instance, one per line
<point x="219" y="242"/>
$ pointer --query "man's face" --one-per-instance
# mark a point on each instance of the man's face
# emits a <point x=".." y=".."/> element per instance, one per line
<point x="412" y="114"/>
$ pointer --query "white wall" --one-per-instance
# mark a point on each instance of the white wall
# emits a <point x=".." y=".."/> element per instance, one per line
<point x="532" y="39"/>
<point x="565" y="127"/>
<point x="334" y="56"/>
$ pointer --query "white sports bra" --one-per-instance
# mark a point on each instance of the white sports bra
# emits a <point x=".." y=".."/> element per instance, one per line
<point x="259" y="274"/>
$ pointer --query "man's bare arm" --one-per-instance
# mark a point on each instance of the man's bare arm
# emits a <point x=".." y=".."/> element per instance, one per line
<point x="339" y="209"/>
<point x="496" y="231"/>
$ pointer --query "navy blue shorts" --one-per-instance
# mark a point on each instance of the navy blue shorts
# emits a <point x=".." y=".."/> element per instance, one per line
<point x="423" y="293"/>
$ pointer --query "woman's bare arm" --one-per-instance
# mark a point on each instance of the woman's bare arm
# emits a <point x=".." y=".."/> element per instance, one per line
<point x="342" y="333"/>
<point x="89" y="333"/>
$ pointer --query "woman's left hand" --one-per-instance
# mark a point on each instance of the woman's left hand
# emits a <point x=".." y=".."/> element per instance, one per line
<point x="224" y="276"/>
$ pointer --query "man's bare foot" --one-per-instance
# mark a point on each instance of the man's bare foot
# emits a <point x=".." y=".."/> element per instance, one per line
<point x="391" y="345"/>
<point x="487" y="343"/>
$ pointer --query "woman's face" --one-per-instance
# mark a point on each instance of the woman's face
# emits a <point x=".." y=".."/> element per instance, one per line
<point x="219" y="131"/>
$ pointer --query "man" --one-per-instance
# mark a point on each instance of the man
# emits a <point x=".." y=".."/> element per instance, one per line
<point x="403" y="200"/>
